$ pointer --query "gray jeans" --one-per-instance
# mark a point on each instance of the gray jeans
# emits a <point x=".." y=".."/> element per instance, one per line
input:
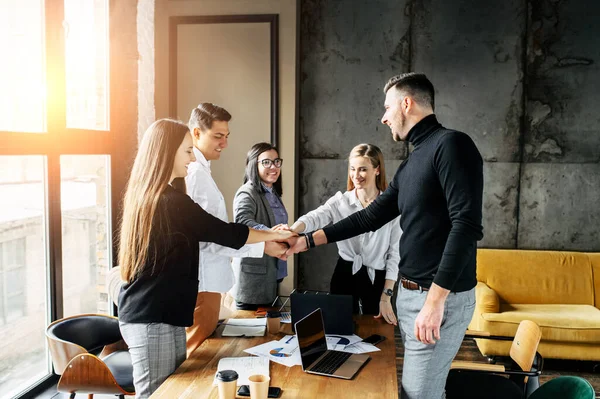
<point x="426" y="367"/>
<point x="156" y="351"/>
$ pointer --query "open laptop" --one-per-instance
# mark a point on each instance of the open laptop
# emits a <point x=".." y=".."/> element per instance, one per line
<point x="337" y="310"/>
<point x="316" y="358"/>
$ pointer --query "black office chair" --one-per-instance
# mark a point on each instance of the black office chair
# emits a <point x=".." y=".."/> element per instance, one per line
<point x="468" y="380"/>
<point x="89" y="354"/>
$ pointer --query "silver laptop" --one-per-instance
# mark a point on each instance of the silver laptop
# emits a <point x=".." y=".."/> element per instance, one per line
<point x="316" y="358"/>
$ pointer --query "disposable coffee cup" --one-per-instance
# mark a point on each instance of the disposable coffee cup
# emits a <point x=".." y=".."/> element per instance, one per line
<point x="259" y="386"/>
<point x="227" y="383"/>
<point x="273" y="322"/>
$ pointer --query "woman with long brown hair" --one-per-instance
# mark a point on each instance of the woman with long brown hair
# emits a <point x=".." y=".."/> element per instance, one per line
<point x="367" y="267"/>
<point x="158" y="253"/>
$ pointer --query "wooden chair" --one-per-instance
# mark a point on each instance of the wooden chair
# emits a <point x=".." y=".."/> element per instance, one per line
<point x="89" y="354"/>
<point x="481" y="380"/>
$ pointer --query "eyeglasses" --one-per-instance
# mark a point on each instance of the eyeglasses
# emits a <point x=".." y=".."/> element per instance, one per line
<point x="267" y="163"/>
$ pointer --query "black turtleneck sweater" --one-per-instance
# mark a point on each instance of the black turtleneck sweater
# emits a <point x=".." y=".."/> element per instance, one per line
<point x="438" y="193"/>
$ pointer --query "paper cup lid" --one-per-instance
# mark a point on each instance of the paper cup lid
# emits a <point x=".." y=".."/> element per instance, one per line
<point x="227" y="375"/>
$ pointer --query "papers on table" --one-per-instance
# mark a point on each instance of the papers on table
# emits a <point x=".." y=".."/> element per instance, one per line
<point x="286" y="352"/>
<point x="245" y="327"/>
<point x="283" y="351"/>
<point x="339" y="342"/>
<point x="360" y="347"/>
<point x="244" y="366"/>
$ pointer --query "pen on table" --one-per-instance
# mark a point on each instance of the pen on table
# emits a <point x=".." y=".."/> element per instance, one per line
<point x="289" y="339"/>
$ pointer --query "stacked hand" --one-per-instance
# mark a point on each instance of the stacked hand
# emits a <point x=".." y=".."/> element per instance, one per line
<point x="276" y="249"/>
<point x="295" y="243"/>
<point x="279" y="247"/>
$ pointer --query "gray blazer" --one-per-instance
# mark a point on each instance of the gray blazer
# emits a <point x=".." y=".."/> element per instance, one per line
<point x="256" y="278"/>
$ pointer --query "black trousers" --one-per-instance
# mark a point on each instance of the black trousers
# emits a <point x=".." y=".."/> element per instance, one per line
<point x="359" y="285"/>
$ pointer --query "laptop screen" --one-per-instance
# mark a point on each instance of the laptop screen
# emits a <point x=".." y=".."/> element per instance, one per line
<point x="311" y="338"/>
<point x="337" y="310"/>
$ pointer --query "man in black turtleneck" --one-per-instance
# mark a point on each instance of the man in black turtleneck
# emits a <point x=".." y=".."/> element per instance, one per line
<point x="438" y="193"/>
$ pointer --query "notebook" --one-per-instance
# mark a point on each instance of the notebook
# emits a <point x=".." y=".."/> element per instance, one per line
<point x="244" y="327"/>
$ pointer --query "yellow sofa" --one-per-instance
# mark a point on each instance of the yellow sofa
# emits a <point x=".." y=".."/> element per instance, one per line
<point x="560" y="291"/>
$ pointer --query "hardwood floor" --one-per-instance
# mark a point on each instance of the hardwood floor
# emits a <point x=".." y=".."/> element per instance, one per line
<point x="552" y="368"/>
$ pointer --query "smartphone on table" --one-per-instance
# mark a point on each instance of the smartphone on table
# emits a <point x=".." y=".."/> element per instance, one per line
<point x="374" y="339"/>
<point x="274" y="392"/>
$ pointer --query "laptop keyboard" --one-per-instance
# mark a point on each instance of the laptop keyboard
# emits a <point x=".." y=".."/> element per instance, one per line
<point x="330" y="362"/>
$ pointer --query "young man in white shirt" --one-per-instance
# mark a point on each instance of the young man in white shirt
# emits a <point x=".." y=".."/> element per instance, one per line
<point x="209" y="126"/>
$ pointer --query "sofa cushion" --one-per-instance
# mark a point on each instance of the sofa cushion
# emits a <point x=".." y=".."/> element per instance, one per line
<point x="537" y="277"/>
<point x="566" y="323"/>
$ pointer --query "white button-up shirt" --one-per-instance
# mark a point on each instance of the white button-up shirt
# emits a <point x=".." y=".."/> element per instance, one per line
<point x="378" y="250"/>
<point x="214" y="266"/>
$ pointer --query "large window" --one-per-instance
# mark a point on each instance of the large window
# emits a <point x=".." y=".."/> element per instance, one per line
<point x="23" y="273"/>
<point x="59" y="121"/>
<point x="85" y="235"/>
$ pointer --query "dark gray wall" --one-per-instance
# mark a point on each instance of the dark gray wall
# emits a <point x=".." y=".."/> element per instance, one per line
<point x="520" y="77"/>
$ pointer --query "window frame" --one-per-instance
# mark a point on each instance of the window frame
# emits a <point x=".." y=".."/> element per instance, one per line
<point x="119" y="142"/>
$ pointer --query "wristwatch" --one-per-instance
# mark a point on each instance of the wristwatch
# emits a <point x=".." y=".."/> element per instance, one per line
<point x="388" y="292"/>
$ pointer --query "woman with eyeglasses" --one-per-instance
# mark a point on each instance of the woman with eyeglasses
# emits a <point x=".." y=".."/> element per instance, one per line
<point x="258" y="204"/>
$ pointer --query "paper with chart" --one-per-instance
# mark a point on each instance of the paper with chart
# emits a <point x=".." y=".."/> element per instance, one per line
<point x="334" y="342"/>
<point x="339" y="342"/>
<point x="244" y="366"/>
<point x="278" y="352"/>
<point x="349" y="343"/>
<point x="286" y="352"/>
<point x="360" y="347"/>
<point x="245" y="327"/>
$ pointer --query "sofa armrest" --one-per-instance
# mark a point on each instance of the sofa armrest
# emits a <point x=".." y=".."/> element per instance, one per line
<point x="486" y="299"/>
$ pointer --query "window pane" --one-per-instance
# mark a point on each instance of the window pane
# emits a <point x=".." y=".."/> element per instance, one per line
<point x="86" y="52"/>
<point x="22" y="76"/>
<point x="23" y="271"/>
<point x="85" y="233"/>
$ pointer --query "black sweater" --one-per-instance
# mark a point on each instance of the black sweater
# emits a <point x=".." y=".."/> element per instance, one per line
<point x="438" y="191"/>
<point x="166" y="290"/>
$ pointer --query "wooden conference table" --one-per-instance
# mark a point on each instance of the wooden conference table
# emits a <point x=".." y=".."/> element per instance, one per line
<point x="377" y="379"/>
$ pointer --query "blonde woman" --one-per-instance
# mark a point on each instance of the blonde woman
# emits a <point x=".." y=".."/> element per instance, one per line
<point x="367" y="266"/>
<point x="158" y="254"/>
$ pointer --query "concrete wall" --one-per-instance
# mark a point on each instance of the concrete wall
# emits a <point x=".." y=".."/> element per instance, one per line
<point x="520" y="77"/>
